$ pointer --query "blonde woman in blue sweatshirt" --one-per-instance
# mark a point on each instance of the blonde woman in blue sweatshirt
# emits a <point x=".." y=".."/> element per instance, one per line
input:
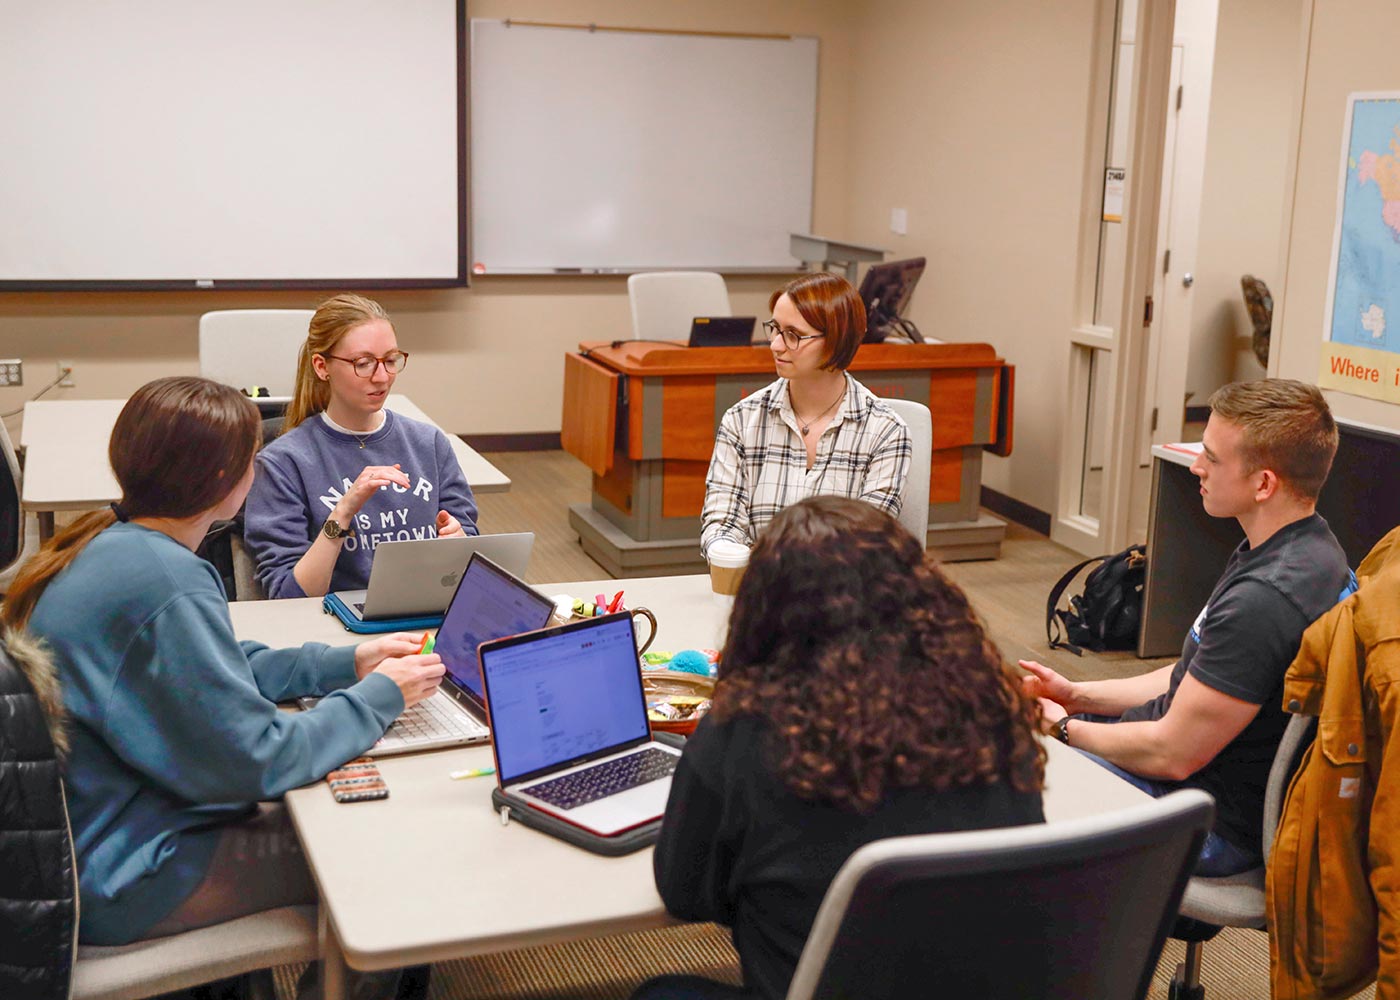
<point x="346" y="474"/>
<point x="176" y="735"/>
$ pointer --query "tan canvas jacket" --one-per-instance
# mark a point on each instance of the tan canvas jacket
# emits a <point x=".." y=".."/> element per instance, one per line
<point x="1334" y="915"/>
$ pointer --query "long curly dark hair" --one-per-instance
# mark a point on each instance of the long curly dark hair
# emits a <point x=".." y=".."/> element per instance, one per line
<point x="869" y="664"/>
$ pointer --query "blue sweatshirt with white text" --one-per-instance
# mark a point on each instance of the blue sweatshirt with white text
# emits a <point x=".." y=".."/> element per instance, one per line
<point x="304" y="473"/>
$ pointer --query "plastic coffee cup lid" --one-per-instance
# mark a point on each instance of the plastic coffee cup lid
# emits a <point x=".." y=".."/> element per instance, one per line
<point x="726" y="553"/>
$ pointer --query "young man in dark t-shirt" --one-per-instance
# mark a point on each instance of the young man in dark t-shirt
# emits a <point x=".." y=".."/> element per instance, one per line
<point x="1213" y="719"/>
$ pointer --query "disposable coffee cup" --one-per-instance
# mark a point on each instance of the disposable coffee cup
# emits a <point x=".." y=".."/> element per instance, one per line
<point x="728" y="560"/>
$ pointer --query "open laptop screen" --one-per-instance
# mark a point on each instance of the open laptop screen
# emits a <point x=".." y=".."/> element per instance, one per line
<point x="564" y="695"/>
<point x="489" y="603"/>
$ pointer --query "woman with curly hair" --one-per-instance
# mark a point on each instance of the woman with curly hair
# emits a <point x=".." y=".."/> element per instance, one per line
<point x="859" y="698"/>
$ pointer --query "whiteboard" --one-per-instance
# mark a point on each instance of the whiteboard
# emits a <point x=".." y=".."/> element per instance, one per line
<point x="611" y="152"/>
<point x="164" y="143"/>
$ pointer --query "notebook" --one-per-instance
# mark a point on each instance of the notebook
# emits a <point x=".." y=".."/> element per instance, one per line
<point x="569" y="719"/>
<point x="722" y="331"/>
<point x="489" y="603"/>
<point x="417" y="577"/>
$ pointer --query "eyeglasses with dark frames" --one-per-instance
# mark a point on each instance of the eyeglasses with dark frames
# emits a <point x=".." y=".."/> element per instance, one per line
<point x="366" y="364"/>
<point x="791" y="337"/>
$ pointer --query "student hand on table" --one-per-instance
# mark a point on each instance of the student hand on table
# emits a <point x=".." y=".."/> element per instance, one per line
<point x="371" y="479"/>
<point x="396" y="656"/>
<point x="448" y="526"/>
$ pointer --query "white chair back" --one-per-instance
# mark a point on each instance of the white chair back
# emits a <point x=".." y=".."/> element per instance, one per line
<point x="253" y="347"/>
<point x="913" y="512"/>
<point x="19" y="535"/>
<point x="664" y="302"/>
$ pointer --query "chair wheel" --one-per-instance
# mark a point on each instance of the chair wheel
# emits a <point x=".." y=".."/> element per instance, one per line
<point x="1180" y="991"/>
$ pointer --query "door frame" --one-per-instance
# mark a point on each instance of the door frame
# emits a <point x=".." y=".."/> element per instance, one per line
<point x="1126" y="375"/>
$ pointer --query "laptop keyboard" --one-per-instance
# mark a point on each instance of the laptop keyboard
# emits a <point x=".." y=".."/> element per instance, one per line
<point x="432" y="719"/>
<point x="602" y="780"/>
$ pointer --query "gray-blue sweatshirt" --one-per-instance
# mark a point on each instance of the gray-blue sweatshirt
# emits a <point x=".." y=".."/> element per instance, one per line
<point x="304" y="473"/>
<point x="173" y="723"/>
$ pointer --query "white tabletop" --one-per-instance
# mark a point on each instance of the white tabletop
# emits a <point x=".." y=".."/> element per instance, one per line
<point x="1181" y="453"/>
<point x="430" y="873"/>
<point x="66" y="466"/>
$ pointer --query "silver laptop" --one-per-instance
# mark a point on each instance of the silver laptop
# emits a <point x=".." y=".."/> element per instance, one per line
<point x="416" y="577"/>
<point x="489" y="603"/>
<point x="569" y="719"/>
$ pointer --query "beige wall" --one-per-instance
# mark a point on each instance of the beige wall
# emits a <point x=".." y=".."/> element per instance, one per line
<point x="487" y="359"/>
<point x="1243" y="192"/>
<point x="969" y="115"/>
<point x="1351" y="49"/>
<point x="972" y="116"/>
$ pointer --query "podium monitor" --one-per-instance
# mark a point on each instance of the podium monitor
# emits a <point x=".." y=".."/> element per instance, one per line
<point x="887" y="289"/>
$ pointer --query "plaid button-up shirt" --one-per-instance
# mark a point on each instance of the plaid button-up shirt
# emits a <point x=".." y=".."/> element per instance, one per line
<point x="759" y="464"/>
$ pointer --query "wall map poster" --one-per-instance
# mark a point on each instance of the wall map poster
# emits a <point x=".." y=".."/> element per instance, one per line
<point x="1361" y="353"/>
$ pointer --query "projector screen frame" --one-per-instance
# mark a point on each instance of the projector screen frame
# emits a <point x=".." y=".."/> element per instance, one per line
<point x="460" y="280"/>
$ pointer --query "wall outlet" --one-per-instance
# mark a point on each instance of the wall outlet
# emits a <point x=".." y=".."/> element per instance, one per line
<point x="899" y="221"/>
<point x="11" y="371"/>
<point x="65" y="369"/>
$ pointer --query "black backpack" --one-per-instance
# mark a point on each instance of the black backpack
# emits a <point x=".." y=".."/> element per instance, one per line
<point x="1109" y="612"/>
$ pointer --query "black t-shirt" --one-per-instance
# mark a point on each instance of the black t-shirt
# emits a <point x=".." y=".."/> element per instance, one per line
<point x="1241" y="645"/>
<point x="739" y="848"/>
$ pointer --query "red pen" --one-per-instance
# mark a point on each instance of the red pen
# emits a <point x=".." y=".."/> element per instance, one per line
<point x="616" y="604"/>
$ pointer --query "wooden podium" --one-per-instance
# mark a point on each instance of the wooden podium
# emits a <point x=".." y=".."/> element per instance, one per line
<point x="643" y="417"/>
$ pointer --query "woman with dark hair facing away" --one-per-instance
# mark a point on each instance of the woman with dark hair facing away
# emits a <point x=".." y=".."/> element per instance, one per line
<point x="859" y="698"/>
<point x="175" y="734"/>
<point x="346" y="474"/>
<point x="815" y="431"/>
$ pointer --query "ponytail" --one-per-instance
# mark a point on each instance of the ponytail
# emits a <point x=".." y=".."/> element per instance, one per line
<point x="51" y="560"/>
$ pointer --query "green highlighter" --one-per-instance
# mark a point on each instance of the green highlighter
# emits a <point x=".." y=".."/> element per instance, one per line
<point x="429" y="641"/>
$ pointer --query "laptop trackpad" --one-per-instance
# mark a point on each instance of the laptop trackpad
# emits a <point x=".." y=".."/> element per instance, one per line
<point x="615" y="813"/>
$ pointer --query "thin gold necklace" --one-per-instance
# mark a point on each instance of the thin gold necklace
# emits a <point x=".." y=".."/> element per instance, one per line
<point x="807" y="426"/>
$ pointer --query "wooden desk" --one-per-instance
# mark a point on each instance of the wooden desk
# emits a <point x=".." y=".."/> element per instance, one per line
<point x="430" y="874"/>
<point x="65" y="466"/>
<point x="643" y="417"/>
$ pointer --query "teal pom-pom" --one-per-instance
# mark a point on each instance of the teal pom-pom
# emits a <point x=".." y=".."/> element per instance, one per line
<point x="692" y="661"/>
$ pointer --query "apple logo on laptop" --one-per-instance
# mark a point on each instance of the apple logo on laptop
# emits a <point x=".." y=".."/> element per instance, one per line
<point x="450" y="580"/>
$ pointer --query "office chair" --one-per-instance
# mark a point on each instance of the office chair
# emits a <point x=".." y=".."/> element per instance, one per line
<point x="17" y="543"/>
<point x="665" y="302"/>
<point x="253" y="347"/>
<point x="913" y="512"/>
<point x="1237" y="900"/>
<point x="1072" y="909"/>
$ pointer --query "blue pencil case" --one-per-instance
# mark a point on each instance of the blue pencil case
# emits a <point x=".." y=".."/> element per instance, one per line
<point x="333" y="605"/>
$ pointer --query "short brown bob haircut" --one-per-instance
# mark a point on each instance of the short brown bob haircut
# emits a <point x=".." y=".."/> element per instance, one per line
<point x="1288" y="428"/>
<point x="831" y="306"/>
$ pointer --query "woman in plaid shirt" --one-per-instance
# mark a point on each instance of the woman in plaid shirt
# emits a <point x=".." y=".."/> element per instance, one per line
<point x="814" y="431"/>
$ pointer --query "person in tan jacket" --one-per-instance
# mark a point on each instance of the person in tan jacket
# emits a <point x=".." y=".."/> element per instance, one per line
<point x="1333" y="911"/>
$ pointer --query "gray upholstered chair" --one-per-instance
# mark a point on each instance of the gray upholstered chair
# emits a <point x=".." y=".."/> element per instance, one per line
<point x="1078" y="908"/>
<point x="1238" y="900"/>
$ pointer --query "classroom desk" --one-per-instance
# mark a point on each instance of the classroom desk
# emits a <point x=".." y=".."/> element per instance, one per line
<point x="65" y="466"/>
<point x="1186" y="552"/>
<point x="431" y="874"/>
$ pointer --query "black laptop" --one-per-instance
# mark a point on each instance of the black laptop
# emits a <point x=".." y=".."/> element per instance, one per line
<point x="722" y="331"/>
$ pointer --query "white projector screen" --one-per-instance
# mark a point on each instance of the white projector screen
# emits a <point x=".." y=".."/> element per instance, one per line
<point x="262" y="143"/>
<point x="619" y="151"/>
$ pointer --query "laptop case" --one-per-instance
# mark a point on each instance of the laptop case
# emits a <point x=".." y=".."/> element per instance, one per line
<point x="333" y="605"/>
